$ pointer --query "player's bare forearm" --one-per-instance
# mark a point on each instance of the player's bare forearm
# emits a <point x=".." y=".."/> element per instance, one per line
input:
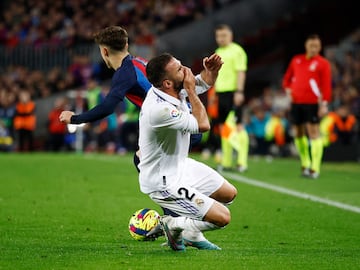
<point x="241" y="80"/>
<point x="198" y="108"/>
<point x="199" y="112"/>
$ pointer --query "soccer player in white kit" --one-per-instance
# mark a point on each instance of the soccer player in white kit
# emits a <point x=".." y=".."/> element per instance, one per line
<point x="191" y="189"/>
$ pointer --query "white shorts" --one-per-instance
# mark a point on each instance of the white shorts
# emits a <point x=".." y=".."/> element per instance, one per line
<point x="190" y="196"/>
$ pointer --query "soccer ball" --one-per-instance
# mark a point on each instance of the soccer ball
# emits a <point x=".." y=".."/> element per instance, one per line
<point x="141" y="222"/>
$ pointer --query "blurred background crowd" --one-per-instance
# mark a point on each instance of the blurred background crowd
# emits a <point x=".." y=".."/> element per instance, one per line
<point x="48" y="60"/>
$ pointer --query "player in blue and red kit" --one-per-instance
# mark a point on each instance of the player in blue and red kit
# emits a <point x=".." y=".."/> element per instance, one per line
<point x="129" y="79"/>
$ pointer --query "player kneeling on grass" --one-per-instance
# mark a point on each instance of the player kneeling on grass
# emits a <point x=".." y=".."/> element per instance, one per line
<point x="191" y="189"/>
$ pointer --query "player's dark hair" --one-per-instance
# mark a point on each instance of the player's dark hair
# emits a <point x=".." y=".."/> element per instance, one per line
<point x="223" y="27"/>
<point x="115" y="37"/>
<point x="155" y="69"/>
<point x="313" y="36"/>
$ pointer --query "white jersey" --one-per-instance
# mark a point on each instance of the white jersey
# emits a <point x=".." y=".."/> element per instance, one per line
<point x="165" y="127"/>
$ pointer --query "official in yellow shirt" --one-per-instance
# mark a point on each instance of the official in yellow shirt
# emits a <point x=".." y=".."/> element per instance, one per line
<point x="229" y="89"/>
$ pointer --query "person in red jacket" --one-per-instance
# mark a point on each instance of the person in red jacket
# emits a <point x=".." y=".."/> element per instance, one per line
<point x="307" y="81"/>
<point x="56" y="129"/>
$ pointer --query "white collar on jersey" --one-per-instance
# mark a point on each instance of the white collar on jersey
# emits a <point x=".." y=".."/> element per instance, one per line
<point x="166" y="97"/>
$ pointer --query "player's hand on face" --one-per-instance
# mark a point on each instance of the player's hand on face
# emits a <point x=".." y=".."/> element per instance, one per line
<point x="65" y="116"/>
<point x="189" y="80"/>
<point x="213" y="63"/>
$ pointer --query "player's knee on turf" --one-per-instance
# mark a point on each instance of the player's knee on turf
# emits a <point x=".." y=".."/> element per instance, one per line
<point x="224" y="218"/>
<point x="230" y="196"/>
<point x="226" y="194"/>
<point x="218" y="214"/>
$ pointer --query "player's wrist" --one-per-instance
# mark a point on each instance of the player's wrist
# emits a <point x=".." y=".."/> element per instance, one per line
<point x="324" y="103"/>
<point x="72" y="119"/>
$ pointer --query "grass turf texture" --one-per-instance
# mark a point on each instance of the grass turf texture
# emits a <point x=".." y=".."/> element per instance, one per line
<point x="69" y="211"/>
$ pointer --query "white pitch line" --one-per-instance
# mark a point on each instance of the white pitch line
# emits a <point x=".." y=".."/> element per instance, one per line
<point x="291" y="192"/>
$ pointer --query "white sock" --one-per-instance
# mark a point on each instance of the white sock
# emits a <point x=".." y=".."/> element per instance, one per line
<point x="185" y="223"/>
<point x="195" y="236"/>
<point x="228" y="203"/>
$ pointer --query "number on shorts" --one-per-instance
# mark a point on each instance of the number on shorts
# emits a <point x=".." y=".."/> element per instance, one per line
<point x="186" y="191"/>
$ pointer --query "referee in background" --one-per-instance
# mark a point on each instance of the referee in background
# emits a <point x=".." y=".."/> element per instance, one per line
<point x="229" y="88"/>
<point x="307" y="81"/>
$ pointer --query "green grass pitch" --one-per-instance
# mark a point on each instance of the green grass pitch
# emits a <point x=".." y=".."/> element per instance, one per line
<point x="71" y="211"/>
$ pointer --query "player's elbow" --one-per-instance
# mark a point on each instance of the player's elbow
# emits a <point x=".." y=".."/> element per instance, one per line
<point x="204" y="127"/>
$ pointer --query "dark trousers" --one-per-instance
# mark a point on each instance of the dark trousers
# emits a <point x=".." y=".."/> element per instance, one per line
<point x="56" y="141"/>
<point x="26" y="140"/>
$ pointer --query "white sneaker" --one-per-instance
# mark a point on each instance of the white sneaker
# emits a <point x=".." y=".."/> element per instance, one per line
<point x="198" y="240"/>
<point x="305" y="172"/>
<point x="242" y="169"/>
<point x="173" y="235"/>
<point x="155" y="232"/>
<point x="205" y="154"/>
<point x="314" y="174"/>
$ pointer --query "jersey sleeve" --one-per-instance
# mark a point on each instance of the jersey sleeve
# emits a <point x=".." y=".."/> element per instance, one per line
<point x="240" y="59"/>
<point x="325" y="81"/>
<point x="121" y="83"/>
<point x="286" y="82"/>
<point x="100" y="111"/>
<point x="200" y="85"/>
<point x="165" y="116"/>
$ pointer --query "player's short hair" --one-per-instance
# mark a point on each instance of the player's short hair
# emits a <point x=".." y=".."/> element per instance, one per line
<point x="155" y="69"/>
<point x="223" y="27"/>
<point x="312" y="36"/>
<point x="114" y="37"/>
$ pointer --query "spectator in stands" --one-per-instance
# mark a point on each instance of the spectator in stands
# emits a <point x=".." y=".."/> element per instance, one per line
<point x="6" y="141"/>
<point x="107" y="127"/>
<point x="144" y="41"/>
<point x="3" y="33"/>
<point x="277" y="132"/>
<point x="54" y="78"/>
<point x="56" y="129"/>
<point x="128" y="128"/>
<point x="339" y="127"/>
<point x="45" y="22"/>
<point x="256" y="131"/>
<point x="7" y="110"/>
<point x="25" y="121"/>
<point x="82" y="70"/>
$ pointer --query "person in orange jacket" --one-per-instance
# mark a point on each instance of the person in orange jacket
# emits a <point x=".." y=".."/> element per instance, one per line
<point x="339" y="126"/>
<point x="25" y="121"/>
